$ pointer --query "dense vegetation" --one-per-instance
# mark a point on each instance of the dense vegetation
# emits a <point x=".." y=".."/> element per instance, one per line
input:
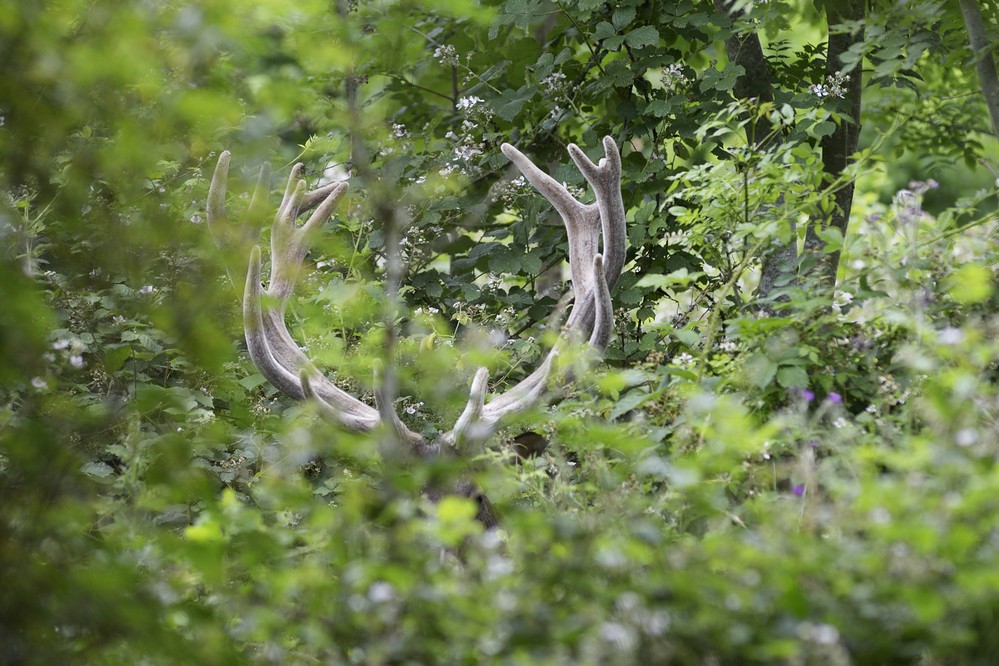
<point x="788" y="456"/>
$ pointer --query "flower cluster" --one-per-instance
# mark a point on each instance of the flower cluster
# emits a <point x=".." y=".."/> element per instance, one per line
<point x="555" y="86"/>
<point x="674" y="77"/>
<point x="834" y="86"/>
<point x="446" y="55"/>
<point x="513" y="190"/>
<point x="683" y="360"/>
<point x="468" y="140"/>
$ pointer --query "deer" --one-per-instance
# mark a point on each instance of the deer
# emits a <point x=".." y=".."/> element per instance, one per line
<point x="597" y="245"/>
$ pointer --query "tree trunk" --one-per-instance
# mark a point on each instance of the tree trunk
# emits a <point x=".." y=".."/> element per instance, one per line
<point x="838" y="147"/>
<point x="984" y="61"/>
<point x="780" y="260"/>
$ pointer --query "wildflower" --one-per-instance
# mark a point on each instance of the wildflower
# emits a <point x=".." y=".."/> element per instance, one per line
<point x="76" y="360"/>
<point x="553" y="82"/>
<point x="840" y="423"/>
<point x="674" y="77"/>
<point x="38" y="382"/>
<point x="951" y="336"/>
<point x="966" y="436"/>
<point x="834" y="398"/>
<point x="683" y="360"/>
<point x="469" y="103"/>
<point x="147" y="289"/>
<point x="834" y="86"/>
<point x="919" y="186"/>
<point x="381" y="592"/>
<point x="799" y="489"/>
<point x="399" y="131"/>
<point x="729" y="347"/>
<point x="617" y="634"/>
<point x="803" y="394"/>
<point x="466" y="152"/>
<point x="446" y="54"/>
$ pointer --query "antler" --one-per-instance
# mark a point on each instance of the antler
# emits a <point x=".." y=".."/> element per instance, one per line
<point x="593" y="274"/>
<point x="282" y="362"/>
<point x="270" y="345"/>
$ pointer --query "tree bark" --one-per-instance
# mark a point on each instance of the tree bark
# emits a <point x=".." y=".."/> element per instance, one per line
<point x="838" y="147"/>
<point x="780" y="261"/>
<point x="984" y="61"/>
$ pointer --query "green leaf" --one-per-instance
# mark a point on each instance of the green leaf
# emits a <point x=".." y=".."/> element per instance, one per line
<point x="792" y="377"/>
<point x="644" y="36"/>
<point x="252" y="381"/>
<point x="971" y="283"/>
<point x="760" y="370"/>
<point x="623" y="16"/>
<point x="509" y="104"/>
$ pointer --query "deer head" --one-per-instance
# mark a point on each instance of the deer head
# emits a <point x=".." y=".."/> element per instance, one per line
<point x="281" y="361"/>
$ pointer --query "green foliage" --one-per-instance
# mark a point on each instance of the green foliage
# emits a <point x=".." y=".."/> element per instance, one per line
<point x="807" y="479"/>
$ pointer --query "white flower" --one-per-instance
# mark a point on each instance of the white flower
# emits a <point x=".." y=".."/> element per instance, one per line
<point x="399" y="131"/>
<point x="76" y="360"/>
<point x="469" y="103"/>
<point x="466" y="152"/>
<point x="147" y="289"/>
<point x="674" y="76"/>
<point x="728" y="346"/>
<point x="834" y="86"/>
<point x="38" y="382"/>
<point x="554" y="81"/>
<point x="951" y="336"/>
<point x="966" y="436"/>
<point x="381" y="592"/>
<point x="446" y="55"/>
<point x="683" y="360"/>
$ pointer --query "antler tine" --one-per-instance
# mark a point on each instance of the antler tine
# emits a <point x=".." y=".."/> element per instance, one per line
<point x="605" y="179"/>
<point x="271" y="346"/>
<point x="593" y="275"/>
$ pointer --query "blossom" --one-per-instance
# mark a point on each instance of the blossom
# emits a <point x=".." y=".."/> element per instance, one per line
<point x="445" y="54"/>
<point x="466" y="152"/>
<point x="554" y="81"/>
<point x="834" y="86"/>
<point x="469" y="103"/>
<point x="683" y="360"/>
<point x="834" y="398"/>
<point x="804" y="394"/>
<point x="799" y="489"/>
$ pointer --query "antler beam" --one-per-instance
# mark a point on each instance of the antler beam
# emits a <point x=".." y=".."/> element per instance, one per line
<point x="597" y="244"/>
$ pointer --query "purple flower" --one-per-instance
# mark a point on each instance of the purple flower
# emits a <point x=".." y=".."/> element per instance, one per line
<point x="804" y="394"/>
<point x="834" y="398"/>
<point x="799" y="489"/>
<point x="813" y="444"/>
